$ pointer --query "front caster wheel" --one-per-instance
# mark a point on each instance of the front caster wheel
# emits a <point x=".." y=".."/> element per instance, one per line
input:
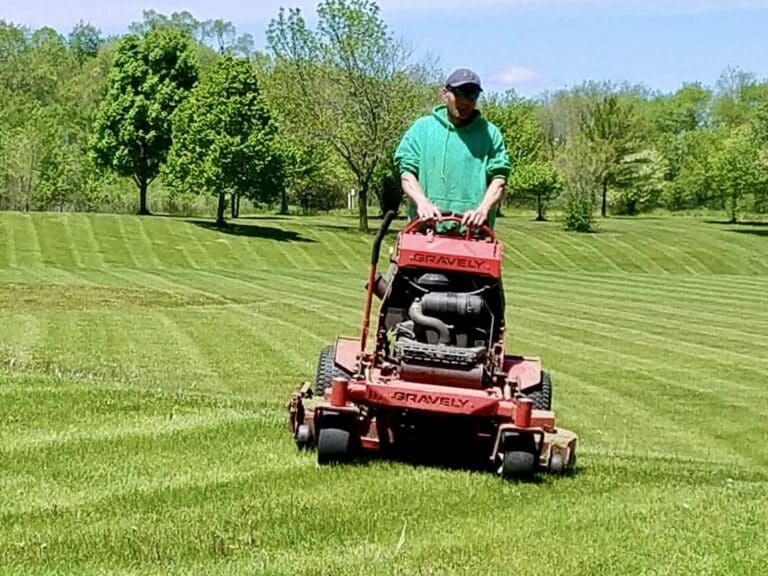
<point x="517" y="464"/>
<point x="333" y="446"/>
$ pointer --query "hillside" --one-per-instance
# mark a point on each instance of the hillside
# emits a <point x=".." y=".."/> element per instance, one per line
<point x="146" y="364"/>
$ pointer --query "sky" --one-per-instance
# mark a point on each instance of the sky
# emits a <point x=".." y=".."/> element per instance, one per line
<point x="532" y="46"/>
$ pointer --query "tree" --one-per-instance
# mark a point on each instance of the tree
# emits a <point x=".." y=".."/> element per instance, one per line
<point x="347" y="83"/>
<point x="581" y="172"/>
<point x="692" y="185"/>
<point x="610" y="129"/>
<point x="517" y="119"/>
<point x="639" y="181"/>
<point x="85" y="41"/>
<point x="684" y="111"/>
<point x="533" y="176"/>
<point x="150" y="77"/>
<point x="730" y="107"/>
<point x="538" y="181"/>
<point x="223" y="138"/>
<point x="738" y="170"/>
<point x="672" y="120"/>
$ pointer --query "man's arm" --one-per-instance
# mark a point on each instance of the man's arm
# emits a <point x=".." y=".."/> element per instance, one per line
<point x="411" y="188"/>
<point x="493" y="196"/>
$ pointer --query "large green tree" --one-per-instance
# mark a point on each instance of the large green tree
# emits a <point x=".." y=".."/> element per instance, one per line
<point x="738" y="170"/>
<point x="533" y="178"/>
<point x="150" y="77"/>
<point x="609" y="127"/>
<point x="224" y="138"/>
<point x="639" y="181"/>
<point x="348" y="83"/>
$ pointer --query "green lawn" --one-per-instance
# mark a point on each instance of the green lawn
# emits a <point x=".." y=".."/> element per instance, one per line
<point x="145" y="364"/>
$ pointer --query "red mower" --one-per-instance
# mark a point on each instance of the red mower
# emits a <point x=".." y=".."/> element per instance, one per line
<point x="438" y="381"/>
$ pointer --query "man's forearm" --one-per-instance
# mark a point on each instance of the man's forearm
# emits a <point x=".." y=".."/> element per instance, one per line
<point x="493" y="195"/>
<point x="412" y="189"/>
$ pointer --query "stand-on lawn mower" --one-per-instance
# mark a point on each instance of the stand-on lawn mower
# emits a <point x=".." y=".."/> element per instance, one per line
<point x="438" y="377"/>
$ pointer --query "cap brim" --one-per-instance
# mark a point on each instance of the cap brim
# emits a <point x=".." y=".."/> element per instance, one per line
<point x="457" y="84"/>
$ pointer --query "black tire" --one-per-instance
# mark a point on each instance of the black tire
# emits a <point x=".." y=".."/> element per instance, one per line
<point x="333" y="446"/>
<point x="517" y="464"/>
<point x="327" y="369"/>
<point x="542" y="396"/>
<point x="303" y="437"/>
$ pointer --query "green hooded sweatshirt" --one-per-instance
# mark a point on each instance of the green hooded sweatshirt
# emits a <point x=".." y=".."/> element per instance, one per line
<point x="454" y="165"/>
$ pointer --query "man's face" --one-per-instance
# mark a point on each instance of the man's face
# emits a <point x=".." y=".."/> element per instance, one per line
<point x="461" y="101"/>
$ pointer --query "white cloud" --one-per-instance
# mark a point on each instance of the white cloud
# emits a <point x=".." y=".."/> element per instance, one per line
<point x="514" y="76"/>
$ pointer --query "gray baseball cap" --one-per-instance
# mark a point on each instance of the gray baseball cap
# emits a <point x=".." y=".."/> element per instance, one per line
<point x="462" y="76"/>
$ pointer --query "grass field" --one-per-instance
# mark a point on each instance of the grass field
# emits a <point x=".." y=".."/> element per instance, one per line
<point x="145" y="364"/>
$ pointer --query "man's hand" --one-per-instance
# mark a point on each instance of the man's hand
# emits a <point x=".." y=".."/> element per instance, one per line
<point x="427" y="211"/>
<point x="475" y="218"/>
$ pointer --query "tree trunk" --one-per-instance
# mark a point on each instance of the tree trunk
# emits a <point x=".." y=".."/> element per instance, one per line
<point x="362" y="204"/>
<point x="233" y="205"/>
<point x="283" y="201"/>
<point x="539" y="209"/>
<point x="238" y="206"/>
<point x="604" y="206"/>
<point x="734" y="205"/>
<point x="220" y="209"/>
<point x="143" y="185"/>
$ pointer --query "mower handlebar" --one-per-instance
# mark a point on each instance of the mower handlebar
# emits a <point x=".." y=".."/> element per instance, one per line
<point x="388" y="217"/>
<point x="414" y="225"/>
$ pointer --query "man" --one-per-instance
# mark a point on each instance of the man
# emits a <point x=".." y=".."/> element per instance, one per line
<point x="454" y="159"/>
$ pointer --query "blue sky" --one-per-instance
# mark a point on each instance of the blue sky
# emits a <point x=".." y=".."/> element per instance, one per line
<point x="529" y="45"/>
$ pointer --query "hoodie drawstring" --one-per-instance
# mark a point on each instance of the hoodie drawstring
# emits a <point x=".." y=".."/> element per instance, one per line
<point x="445" y="151"/>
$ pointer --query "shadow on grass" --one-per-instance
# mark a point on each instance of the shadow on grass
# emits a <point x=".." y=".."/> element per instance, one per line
<point x="755" y="228"/>
<point x="756" y="223"/>
<point x="265" y="217"/>
<point x="253" y="231"/>
<point x="754" y="232"/>
<point x="459" y="461"/>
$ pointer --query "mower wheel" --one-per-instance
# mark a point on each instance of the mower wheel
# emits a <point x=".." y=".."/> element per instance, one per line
<point x="333" y="446"/>
<point x="327" y="369"/>
<point x="303" y="437"/>
<point x="517" y="464"/>
<point x="542" y="396"/>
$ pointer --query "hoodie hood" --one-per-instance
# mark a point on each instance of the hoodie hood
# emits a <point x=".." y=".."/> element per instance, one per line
<point x="441" y="113"/>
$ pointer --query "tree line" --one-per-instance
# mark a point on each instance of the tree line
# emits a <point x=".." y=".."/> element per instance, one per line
<point x="183" y="116"/>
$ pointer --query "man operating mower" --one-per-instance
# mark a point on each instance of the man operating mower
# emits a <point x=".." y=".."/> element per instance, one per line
<point x="453" y="159"/>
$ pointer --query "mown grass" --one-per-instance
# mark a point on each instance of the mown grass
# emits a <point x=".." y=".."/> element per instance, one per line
<point x="146" y="363"/>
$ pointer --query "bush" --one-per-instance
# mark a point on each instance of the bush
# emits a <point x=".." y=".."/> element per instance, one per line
<point x="579" y="211"/>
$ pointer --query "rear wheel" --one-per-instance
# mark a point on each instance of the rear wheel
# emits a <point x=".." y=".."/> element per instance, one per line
<point x="542" y="396"/>
<point x="333" y="446"/>
<point x="327" y="369"/>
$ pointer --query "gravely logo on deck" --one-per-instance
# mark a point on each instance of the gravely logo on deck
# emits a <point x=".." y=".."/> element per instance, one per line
<point x="452" y="261"/>
<point x="429" y="399"/>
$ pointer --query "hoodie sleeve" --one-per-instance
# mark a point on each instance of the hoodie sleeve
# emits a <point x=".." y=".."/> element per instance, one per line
<point x="408" y="152"/>
<point x="498" y="161"/>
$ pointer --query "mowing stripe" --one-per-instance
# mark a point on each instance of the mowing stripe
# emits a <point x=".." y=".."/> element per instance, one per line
<point x="676" y="347"/>
<point x="150" y="250"/>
